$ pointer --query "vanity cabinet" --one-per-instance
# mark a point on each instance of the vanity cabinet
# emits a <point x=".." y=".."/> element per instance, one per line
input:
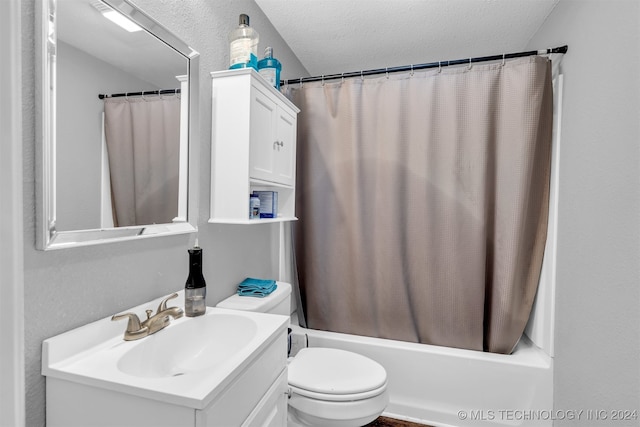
<point x="254" y="399"/>
<point x="253" y="146"/>
<point x="225" y="368"/>
<point x="257" y="397"/>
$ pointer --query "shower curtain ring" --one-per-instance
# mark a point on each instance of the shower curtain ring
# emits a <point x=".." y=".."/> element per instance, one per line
<point x="342" y="77"/>
<point x="469" y="67"/>
<point x="439" y="67"/>
<point x="503" y="59"/>
<point x="301" y="82"/>
<point x="411" y="70"/>
<point x="387" y="71"/>
<point x="323" y="80"/>
<point x="361" y="75"/>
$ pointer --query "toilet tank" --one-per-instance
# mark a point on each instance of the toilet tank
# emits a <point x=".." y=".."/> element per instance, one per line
<point x="277" y="302"/>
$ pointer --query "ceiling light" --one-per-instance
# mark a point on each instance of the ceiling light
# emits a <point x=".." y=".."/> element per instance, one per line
<point x="116" y="17"/>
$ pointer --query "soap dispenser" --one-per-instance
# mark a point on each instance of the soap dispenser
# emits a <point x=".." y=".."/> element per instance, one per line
<point x="195" y="290"/>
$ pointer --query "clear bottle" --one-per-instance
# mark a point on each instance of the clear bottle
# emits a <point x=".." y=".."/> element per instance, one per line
<point x="195" y="290"/>
<point x="269" y="68"/>
<point x="243" y="45"/>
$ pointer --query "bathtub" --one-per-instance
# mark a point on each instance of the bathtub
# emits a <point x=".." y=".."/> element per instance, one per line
<point x="447" y="387"/>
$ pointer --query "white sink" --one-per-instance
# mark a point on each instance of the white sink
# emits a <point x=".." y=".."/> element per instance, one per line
<point x="187" y="363"/>
<point x="189" y="347"/>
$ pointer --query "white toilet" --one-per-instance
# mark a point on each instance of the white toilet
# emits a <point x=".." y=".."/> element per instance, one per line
<point x="327" y="387"/>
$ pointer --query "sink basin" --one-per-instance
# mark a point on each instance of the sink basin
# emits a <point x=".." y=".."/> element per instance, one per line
<point x="188" y="363"/>
<point x="201" y="343"/>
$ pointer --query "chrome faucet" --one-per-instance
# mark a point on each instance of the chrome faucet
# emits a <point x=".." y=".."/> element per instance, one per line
<point x="137" y="329"/>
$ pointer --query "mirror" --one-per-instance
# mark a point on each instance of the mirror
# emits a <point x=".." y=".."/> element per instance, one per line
<point x="118" y="113"/>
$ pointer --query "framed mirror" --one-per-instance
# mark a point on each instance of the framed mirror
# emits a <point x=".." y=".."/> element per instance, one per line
<point x="117" y="117"/>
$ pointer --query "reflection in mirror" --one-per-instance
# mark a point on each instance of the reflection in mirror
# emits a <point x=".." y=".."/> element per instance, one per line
<point x="119" y="110"/>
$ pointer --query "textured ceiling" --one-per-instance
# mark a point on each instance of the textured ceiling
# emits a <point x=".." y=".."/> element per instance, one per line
<point x="335" y="36"/>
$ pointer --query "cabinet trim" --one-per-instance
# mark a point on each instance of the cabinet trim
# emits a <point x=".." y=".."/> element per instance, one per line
<point x="259" y="80"/>
<point x="251" y="221"/>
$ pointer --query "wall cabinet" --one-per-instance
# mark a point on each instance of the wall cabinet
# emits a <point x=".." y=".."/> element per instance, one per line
<point x="253" y="146"/>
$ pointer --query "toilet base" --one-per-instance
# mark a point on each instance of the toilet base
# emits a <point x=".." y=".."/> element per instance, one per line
<point x="293" y="421"/>
<point x="306" y="412"/>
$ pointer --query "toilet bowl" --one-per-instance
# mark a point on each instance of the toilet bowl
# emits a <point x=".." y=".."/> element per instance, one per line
<point x="335" y="388"/>
<point x="327" y="387"/>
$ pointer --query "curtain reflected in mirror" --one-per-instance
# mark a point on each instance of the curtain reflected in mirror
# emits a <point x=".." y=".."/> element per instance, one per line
<point x="95" y="56"/>
<point x="142" y="136"/>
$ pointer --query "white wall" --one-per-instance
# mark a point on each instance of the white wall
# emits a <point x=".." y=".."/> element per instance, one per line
<point x="597" y="338"/>
<point x="12" y="407"/>
<point x="67" y="288"/>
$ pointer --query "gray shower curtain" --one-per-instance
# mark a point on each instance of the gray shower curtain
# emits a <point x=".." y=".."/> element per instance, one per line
<point x="423" y="202"/>
<point x="143" y="144"/>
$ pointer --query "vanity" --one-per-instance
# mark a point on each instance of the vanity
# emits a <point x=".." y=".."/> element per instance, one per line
<point x="225" y="368"/>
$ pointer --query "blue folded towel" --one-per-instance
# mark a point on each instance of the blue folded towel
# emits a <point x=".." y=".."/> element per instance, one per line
<point x="256" y="287"/>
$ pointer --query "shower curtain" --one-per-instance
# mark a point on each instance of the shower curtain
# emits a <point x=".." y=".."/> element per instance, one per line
<point x="143" y="143"/>
<point x="422" y="201"/>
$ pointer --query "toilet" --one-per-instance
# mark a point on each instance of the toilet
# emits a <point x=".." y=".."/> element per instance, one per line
<point x="327" y="387"/>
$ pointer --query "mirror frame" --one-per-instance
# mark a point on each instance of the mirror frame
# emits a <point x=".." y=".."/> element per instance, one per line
<point x="47" y="237"/>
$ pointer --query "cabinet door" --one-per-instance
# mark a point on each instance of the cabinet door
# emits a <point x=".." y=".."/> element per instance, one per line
<point x="272" y="409"/>
<point x="263" y="136"/>
<point x="284" y="162"/>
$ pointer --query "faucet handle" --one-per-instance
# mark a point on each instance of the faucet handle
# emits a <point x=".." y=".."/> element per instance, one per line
<point x="134" y="329"/>
<point x="134" y="321"/>
<point x="163" y="303"/>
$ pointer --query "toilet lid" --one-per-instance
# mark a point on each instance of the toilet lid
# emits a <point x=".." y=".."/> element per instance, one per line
<point x="335" y="372"/>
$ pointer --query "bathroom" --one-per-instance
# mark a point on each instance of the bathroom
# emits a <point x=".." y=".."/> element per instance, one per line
<point x="597" y="316"/>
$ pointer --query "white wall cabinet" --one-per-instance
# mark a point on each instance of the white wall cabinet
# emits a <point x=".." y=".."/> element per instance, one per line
<point x="253" y="146"/>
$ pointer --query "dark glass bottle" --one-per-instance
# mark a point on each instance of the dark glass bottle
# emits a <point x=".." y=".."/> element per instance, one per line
<point x="195" y="290"/>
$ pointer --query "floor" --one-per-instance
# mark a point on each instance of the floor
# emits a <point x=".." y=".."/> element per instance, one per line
<point x="390" y="422"/>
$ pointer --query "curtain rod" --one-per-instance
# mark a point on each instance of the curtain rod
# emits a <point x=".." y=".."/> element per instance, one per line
<point x="561" y="49"/>
<point x="146" y="92"/>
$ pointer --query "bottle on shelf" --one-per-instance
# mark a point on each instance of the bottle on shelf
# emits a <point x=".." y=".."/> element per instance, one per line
<point x="243" y="45"/>
<point x="269" y="68"/>
<point x="254" y="207"/>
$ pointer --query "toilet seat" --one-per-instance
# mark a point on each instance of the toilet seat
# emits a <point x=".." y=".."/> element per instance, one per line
<point x="335" y="375"/>
<point x="338" y="397"/>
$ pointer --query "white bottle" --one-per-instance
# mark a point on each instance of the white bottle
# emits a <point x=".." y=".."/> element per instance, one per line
<point x="254" y="207"/>
<point x="243" y="45"/>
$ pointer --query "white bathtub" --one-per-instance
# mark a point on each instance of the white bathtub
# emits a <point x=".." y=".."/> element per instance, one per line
<point x="445" y="387"/>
